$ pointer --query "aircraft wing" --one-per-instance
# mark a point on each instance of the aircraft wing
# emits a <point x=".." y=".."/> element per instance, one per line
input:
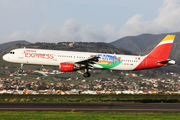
<point x="92" y="60"/>
<point x="89" y="62"/>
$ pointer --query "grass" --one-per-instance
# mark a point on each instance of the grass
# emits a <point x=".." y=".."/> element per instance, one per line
<point x="86" y="99"/>
<point x="87" y="116"/>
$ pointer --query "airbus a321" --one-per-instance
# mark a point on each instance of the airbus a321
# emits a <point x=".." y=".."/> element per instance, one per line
<point x="73" y="61"/>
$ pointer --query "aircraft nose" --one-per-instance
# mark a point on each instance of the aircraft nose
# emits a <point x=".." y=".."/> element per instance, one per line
<point x="5" y="57"/>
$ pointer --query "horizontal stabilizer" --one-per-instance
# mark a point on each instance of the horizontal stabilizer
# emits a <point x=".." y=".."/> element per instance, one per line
<point x="163" y="62"/>
<point x="167" y="62"/>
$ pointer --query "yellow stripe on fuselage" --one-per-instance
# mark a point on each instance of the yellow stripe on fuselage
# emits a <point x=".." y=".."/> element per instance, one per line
<point x="103" y="63"/>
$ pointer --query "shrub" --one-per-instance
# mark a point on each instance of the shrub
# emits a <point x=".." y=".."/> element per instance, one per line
<point x="22" y="100"/>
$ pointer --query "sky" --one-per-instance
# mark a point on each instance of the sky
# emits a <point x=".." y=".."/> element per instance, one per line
<point x="85" y="21"/>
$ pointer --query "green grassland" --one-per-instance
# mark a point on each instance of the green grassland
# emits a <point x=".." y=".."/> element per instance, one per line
<point x="87" y="116"/>
<point x="25" y="98"/>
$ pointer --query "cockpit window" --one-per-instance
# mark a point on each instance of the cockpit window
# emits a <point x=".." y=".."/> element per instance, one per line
<point x="11" y="52"/>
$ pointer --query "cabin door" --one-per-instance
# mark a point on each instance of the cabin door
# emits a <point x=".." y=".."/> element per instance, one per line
<point x="144" y="63"/>
<point x="21" y="54"/>
<point x="55" y="56"/>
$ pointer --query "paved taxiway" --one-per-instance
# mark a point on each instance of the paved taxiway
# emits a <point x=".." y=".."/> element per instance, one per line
<point x="78" y="106"/>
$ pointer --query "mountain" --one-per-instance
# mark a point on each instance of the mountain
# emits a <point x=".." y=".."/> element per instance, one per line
<point x="85" y="47"/>
<point x="9" y="44"/>
<point x="143" y="44"/>
<point x="78" y="46"/>
<point x="99" y="47"/>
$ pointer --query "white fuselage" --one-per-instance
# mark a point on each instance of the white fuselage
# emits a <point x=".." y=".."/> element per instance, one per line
<point x="55" y="57"/>
<point x="73" y="61"/>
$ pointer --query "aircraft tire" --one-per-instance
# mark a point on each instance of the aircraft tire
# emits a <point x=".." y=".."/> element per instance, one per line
<point x="87" y="74"/>
<point x="21" y="71"/>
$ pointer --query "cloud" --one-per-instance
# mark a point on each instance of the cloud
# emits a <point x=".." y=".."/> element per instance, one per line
<point x="168" y="20"/>
<point x="69" y="32"/>
<point x="43" y="6"/>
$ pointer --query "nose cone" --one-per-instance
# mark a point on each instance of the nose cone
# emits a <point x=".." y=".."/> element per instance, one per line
<point x="5" y="57"/>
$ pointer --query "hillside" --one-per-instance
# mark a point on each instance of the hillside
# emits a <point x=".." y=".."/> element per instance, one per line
<point x="143" y="44"/>
<point x="86" y="47"/>
<point x="4" y="46"/>
<point x="80" y="46"/>
<point x="99" y="47"/>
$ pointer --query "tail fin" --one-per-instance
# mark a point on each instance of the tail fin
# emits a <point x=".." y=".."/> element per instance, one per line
<point x="162" y="50"/>
<point x="158" y="57"/>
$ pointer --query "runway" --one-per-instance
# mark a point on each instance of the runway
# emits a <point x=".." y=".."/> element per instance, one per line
<point x="89" y="107"/>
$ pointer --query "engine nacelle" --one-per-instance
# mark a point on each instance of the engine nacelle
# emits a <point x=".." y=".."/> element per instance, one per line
<point x="65" y="67"/>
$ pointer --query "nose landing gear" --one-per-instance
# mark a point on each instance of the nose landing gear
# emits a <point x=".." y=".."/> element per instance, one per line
<point x="21" y="70"/>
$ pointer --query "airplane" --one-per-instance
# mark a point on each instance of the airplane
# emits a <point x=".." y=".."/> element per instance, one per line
<point x="73" y="61"/>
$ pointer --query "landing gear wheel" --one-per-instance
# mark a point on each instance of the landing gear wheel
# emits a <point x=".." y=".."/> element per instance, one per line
<point x="87" y="74"/>
<point x="21" y="71"/>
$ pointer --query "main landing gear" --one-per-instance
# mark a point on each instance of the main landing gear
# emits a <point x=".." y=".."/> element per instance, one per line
<point x="21" y="70"/>
<point x="86" y="74"/>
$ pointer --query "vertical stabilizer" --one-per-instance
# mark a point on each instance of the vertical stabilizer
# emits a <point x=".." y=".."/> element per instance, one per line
<point x="162" y="50"/>
<point x="158" y="57"/>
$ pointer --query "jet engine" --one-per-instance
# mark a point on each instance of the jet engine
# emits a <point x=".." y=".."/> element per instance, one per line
<point x="67" y="67"/>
